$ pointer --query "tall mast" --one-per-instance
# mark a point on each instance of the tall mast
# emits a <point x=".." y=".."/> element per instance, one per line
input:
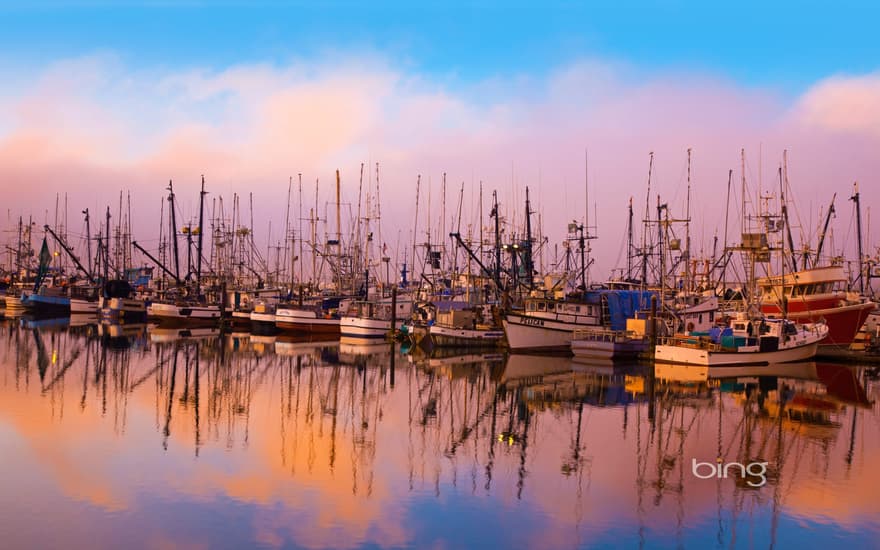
<point x="527" y="264"/>
<point x="107" y="247"/>
<point x="783" y="298"/>
<point x="202" y="194"/>
<point x="726" y="216"/>
<point x="824" y="231"/>
<point x="18" y="249"/>
<point x="855" y="199"/>
<point x="416" y="221"/>
<point x="645" y="223"/>
<point x="88" y="241"/>
<point x="687" y="230"/>
<point x="313" y="217"/>
<point x="497" y="239"/>
<point x="742" y="156"/>
<point x="586" y="229"/>
<point x="338" y="215"/>
<point x="299" y="227"/>
<point x="172" y="234"/>
<point x="287" y="236"/>
<point x="784" y="182"/>
<point x="481" y="219"/>
<point x="629" y="240"/>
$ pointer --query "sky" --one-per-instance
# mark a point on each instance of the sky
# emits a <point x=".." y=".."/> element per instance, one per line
<point x="102" y="97"/>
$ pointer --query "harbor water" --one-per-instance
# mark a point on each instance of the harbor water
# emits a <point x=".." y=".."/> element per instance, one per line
<point x="116" y="436"/>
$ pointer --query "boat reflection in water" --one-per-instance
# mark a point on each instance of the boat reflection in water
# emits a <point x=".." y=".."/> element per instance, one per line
<point x="291" y="442"/>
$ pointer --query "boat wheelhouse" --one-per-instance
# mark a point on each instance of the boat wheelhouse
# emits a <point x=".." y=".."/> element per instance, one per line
<point x="813" y="295"/>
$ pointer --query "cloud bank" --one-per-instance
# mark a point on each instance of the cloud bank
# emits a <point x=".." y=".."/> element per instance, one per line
<point x="92" y="126"/>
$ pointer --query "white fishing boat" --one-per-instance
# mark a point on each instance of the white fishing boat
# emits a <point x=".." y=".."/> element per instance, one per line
<point x="374" y="319"/>
<point x="549" y="324"/>
<point x="116" y="304"/>
<point x="183" y="313"/>
<point x="745" y="342"/>
<point x="462" y="328"/>
<point x="314" y="318"/>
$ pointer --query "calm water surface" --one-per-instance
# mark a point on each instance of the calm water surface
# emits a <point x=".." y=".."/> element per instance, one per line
<point x="149" y="438"/>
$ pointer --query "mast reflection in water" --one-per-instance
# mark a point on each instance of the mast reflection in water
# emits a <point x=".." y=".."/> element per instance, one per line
<point x="119" y="436"/>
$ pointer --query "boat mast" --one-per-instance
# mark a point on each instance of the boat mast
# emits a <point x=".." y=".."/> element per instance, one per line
<point x="88" y="242"/>
<point x="338" y="235"/>
<point x="855" y="199"/>
<point x="528" y="263"/>
<point x="784" y="182"/>
<point x="586" y="228"/>
<point x="783" y="299"/>
<point x="645" y="224"/>
<point x="687" y="228"/>
<point x="18" y="249"/>
<point x="107" y="247"/>
<point x="299" y="226"/>
<point x="726" y="220"/>
<point x="287" y="236"/>
<point x="497" y="239"/>
<point x="173" y="232"/>
<point x="824" y="232"/>
<point x="416" y="220"/>
<point x="202" y="194"/>
<point x="629" y="241"/>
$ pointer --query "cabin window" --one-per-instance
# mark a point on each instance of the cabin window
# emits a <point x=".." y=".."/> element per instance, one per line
<point x="541" y="306"/>
<point x="530" y="306"/>
<point x="700" y="319"/>
<point x="589" y="310"/>
<point x="577" y="309"/>
<point x="711" y="316"/>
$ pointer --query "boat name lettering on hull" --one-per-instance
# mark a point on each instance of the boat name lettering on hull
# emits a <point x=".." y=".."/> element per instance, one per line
<point x="533" y="322"/>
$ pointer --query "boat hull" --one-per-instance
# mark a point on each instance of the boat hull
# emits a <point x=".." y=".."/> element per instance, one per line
<point x="441" y="336"/>
<point x="184" y="315"/>
<point x="78" y="306"/>
<point x="360" y="327"/>
<point x="843" y="322"/>
<point x="608" y="346"/>
<point x="696" y="356"/>
<point x="46" y="305"/>
<point x="263" y="323"/>
<point x="526" y="333"/>
<point x="293" y="320"/>
<point x="122" y="310"/>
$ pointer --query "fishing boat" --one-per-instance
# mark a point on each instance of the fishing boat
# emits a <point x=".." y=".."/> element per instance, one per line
<point x="184" y="313"/>
<point x="817" y="294"/>
<point x="83" y="299"/>
<point x="548" y="324"/>
<point x="464" y="328"/>
<point x="117" y="305"/>
<point x="370" y="319"/>
<point x="263" y="319"/>
<point x="609" y="344"/>
<point x="319" y="317"/>
<point x="48" y="300"/>
<point x="745" y="342"/>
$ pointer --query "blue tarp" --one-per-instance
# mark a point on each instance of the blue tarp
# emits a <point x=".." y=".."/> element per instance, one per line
<point x="623" y="304"/>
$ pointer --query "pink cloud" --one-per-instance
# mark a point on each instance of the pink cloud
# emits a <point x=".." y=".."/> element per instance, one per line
<point x="248" y="128"/>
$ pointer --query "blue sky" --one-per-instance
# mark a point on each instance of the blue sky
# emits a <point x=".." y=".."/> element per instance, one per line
<point x="786" y="45"/>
